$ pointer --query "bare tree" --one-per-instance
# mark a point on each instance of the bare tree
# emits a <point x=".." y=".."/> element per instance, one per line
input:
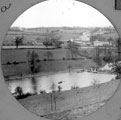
<point x="34" y="66"/>
<point x="97" y="57"/>
<point x="18" y="41"/>
<point x="28" y="55"/>
<point x="59" y="88"/>
<point x="34" y="84"/>
<point x="73" y="47"/>
<point x="53" y="97"/>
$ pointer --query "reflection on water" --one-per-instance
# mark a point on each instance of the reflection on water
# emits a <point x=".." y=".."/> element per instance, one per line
<point x="64" y="79"/>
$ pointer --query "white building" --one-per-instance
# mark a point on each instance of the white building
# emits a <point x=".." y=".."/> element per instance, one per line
<point x="101" y="43"/>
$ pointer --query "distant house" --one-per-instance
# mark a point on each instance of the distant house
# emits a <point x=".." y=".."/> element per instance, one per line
<point x="84" y="43"/>
<point x="37" y="43"/>
<point x="97" y="43"/>
<point x="101" y="43"/>
<point x="84" y="37"/>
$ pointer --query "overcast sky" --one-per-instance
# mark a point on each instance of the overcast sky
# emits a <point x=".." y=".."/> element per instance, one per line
<point x="53" y="13"/>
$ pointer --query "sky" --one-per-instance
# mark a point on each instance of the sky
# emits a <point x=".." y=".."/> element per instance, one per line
<point x="59" y="13"/>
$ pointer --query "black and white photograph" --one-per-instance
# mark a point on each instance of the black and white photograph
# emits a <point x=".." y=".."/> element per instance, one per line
<point x="61" y="59"/>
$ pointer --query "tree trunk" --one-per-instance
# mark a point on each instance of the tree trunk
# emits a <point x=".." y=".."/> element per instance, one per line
<point x="51" y="97"/>
<point x="55" y="101"/>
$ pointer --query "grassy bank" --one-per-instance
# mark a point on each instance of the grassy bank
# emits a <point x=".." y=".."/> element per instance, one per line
<point x="72" y="103"/>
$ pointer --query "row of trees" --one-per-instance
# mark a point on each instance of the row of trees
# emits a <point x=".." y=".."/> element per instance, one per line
<point x="73" y="47"/>
<point x="52" y="42"/>
<point x="51" y="39"/>
<point x="108" y="54"/>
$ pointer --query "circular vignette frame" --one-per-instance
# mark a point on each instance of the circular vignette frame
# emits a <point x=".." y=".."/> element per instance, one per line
<point x="10" y="109"/>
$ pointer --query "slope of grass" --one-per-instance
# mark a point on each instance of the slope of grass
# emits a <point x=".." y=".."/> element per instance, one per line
<point x="72" y="103"/>
<point x="48" y="66"/>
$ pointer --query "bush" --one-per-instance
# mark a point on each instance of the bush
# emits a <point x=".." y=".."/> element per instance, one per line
<point x="23" y="96"/>
<point x="117" y="69"/>
<point x="43" y="92"/>
<point x="15" y="62"/>
<point x="44" y="59"/>
<point x="108" y="59"/>
<point x="63" y="58"/>
<point x="38" y="60"/>
<point x="19" y="91"/>
<point x="8" y="63"/>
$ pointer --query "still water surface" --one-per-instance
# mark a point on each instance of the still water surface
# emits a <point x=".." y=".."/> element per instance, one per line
<point x="64" y="79"/>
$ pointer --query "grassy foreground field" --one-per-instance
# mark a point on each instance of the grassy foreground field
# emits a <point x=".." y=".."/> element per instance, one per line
<point x="73" y="103"/>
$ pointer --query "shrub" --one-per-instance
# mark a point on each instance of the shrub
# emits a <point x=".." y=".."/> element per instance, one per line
<point x="19" y="91"/>
<point x="63" y="58"/>
<point x="44" y="59"/>
<point x="8" y="63"/>
<point x="15" y="62"/>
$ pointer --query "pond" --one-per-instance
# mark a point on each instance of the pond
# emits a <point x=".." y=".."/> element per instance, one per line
<point x="66" y="80"/>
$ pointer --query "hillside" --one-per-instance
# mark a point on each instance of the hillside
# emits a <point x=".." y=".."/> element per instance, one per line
<point x="63" y="33"/>
<point x="73" y="103"/>
<point x="111" y="35"/>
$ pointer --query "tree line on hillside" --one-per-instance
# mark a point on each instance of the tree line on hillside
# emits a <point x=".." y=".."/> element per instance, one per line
<point x="51" y="39"/>
<point x="54" y="38"/>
